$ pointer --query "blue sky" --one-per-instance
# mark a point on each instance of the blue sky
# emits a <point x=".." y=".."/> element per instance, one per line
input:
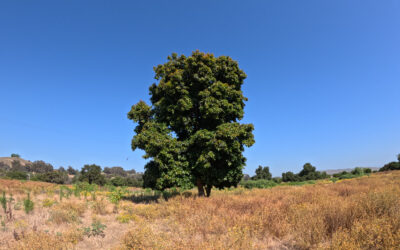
<point x="323" y="76"/>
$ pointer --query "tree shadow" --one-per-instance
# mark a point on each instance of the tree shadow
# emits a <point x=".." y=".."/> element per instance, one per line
<point x="154" y="196"/>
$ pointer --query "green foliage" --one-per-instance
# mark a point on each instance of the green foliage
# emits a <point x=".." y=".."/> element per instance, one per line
<point x="118" y="181"/>
<point x="92" y="174"/>
<point x="290" y="176"/>
<point x="116" y="171"/>
<point x="57" y="177"/>
<point x="367" y="170"/>
<point x="18" y="175"/>
<point x="71" y="171"/>
<point x="391" y="165"/>
<point x="346" y="175"/>
<point x="191" y="131"/>
<point x="300" y="183"/>
<point x="28" y="204"/>
<point x="357" y="171"/>
<point x="117" y="194"/>
<point x="307" y="173"/>
<point x="77" y="190"/>
<point x="3" y="201"/>
<point x="16" y="166"/>
<point x="260" y="183"/>
<point x="15" y="155"/>
<point x="262" y="173"/>
<point x="40" y="167"/>
<point x="48" y="203"/>
<point x="277" y="179"/>
<point x="97" y="229"/>
<point x="394" y="165"/>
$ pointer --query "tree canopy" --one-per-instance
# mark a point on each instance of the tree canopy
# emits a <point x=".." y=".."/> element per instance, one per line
<point x="262" y="173"/>
<point x="191" y="131"/>
<point x="92" y="174"/>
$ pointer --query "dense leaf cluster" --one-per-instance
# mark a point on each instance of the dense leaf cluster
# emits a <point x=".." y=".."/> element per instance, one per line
<point x="262" y="173"/>
<point x="191" y="131"/>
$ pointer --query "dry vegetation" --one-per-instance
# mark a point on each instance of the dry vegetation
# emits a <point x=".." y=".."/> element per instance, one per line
<point x="362" y="213"/>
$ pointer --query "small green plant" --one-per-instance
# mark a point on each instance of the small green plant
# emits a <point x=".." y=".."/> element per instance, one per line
<point x="3" y="225"/>
<point x="6" y="205"/>
<point x="3" y="201"/>
<point x="61" y="194"/>
<point x="28" y="204"/>
<point x="97" y="229"/>
<point x="67" y="192"/>
<point x="77" y="191"/>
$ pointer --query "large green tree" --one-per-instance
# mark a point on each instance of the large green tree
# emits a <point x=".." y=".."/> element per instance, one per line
<point x="191" y="132"/>
<point x="92" y="174"/>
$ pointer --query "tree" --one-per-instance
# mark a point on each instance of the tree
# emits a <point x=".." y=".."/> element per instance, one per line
<point x="357" y="171"/>
<point x="262" y="173"/>
<point x="17" y="166"/>
<point x="117" y="171"/>
<point x="119" y="181"/>
<point x="307" y="170"/>
<point x="52" y="177"/>
<point x="289" y="176"/>
<point x="131" y="172"/>
<point x="71" y="170"/>
<point x="40" y="167"/>
<point x="398" y="157"/>
<point x="191" y="131"/>
<point x="394" y="165"/>
<point x="367" y="170"/>
<point x="92" y="174"/>
<point x="15" y="155"/>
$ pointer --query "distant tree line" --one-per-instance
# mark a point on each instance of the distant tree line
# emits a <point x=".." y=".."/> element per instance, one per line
<point x="263" y="177"/>
<point x="93" y="174"/>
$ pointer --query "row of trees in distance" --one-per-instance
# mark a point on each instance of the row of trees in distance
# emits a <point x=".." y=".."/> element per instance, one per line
<point x="42" y="171"/>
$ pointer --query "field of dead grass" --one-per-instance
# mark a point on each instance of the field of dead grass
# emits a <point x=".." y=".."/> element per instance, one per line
<point x="362" y="213"/>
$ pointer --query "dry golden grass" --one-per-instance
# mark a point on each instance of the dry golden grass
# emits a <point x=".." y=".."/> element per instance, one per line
<point x="361" y="213"/>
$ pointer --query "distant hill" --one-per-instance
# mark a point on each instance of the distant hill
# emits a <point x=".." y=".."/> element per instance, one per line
<point x="335" y="171"/>
<point x="9" y="160"/>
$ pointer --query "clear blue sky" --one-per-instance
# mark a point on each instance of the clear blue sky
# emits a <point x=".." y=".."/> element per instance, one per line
<point x="323" y="76"/>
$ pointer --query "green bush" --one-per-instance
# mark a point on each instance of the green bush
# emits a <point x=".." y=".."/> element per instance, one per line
<point x="57" y="177"/>
<point x="367" y="170"/>
<point x="18" y="175"/>
<point x="357" y="171"/>
<point x="258" y="184"/>
<point x="390" y="166"/>
<point x="118" y="181"/>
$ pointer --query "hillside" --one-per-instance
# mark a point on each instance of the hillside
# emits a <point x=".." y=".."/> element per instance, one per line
<point x="9" y="160"/>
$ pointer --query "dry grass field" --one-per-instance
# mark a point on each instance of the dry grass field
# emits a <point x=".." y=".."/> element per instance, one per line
<point x="362" y="213"/>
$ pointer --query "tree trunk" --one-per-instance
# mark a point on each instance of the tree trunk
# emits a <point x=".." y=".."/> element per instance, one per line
<point x="200" y="188"/>
<point x="208" y="190"/>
